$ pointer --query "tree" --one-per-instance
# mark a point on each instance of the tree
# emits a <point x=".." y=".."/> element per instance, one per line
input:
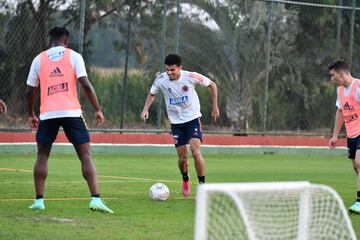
<point x="25" y="37"/>
<point x="230" y="45"/>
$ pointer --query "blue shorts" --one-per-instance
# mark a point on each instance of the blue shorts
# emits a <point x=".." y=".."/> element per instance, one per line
<point x="353" y="144"/>
<point x="183" y="132"/>
<point x="74" y="127"/>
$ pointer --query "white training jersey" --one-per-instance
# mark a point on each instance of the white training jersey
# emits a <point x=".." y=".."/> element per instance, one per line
<point x="55" y="54"/>
<point x="346" y="93"/>
<point x="182" y="101"/>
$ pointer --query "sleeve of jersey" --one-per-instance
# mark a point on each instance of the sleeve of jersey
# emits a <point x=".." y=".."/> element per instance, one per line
<point x="155" y="88"/>
<point x="33" y="77"/>
<point x="358" y="93"/>
<point x="197" y="78"/>
<point x="78" y="64"/>
<point x="338" y="104"/>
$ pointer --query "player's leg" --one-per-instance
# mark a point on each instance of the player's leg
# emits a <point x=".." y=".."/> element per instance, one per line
<point x="195" y="144"/>
<point x="354" y="154"/>
<point x="45" y="136"/>
<point x="77" y="133"/>
<point x="356" y="165"/>
<point x="41" y="169"/>
<point x="40" y="174"/>
<point x="180" y="142"/>
<point x="89" y="173"/>
<point x="87" y="167"/>
<point x="182" y="159"/>
<point x="194" y="135"/>
<point x="183" y="167"/>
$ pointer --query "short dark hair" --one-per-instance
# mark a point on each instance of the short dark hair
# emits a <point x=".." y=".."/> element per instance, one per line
<point x="58" y="32"/>
<point x="339" y="65"/>
<point x="172" y="59"/>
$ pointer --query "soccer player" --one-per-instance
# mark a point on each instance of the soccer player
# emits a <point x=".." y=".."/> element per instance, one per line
<point x="3" y="107"/>
<point x="57" y="70"/>
<point x="183" y="109"/>
<point x="348" y="112"/>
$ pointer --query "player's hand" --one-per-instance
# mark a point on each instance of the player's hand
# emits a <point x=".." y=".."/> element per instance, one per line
<point x="100" y="119"/>
<point x="33" y="122"/>
<point x="144" y="115"/>
<point x="332" y="142"/>
<point x="215" y="113"/>
<point x="3" y="107"/>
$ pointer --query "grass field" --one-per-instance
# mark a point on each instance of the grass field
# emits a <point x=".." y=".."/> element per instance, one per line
<point x="125" y="181"/>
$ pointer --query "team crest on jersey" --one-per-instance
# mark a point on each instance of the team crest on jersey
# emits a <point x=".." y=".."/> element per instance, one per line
<point x="185" y="88"/>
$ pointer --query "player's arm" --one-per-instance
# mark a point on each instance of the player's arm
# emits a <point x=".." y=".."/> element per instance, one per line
<point x="145" y="112"/>
<point x="3" y="107"/>
<point x="33" y="121"/>
<point x="32" y="84"/>
<point x="339" y="121"/>
<point x="91" y="95"/>
<point x="214" y="96"/>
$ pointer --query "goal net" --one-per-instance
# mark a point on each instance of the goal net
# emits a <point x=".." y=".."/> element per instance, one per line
<point x="271" y="211"/>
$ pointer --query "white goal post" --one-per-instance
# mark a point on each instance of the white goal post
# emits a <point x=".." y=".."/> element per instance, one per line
<point x="271" y="211"/>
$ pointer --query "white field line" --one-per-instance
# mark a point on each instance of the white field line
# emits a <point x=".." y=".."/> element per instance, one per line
<point x="51" y="199"/>
<point x="80" y="199"/>
<point x="75" y="182"/>
<point x="171" y="145"/>
<point x="68" y="220"/>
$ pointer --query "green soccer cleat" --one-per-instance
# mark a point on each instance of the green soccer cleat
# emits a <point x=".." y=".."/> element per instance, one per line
<point x="355" y="208"/>
<point x="38" y="204"/>
<point x="96" y="204"/>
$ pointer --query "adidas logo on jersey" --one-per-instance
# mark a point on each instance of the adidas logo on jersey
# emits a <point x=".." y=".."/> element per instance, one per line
<point x="347" y="107"/>
<point x="56" y="72"/>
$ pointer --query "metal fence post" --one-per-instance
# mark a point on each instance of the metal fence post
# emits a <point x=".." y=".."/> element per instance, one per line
<point x="162" y="57"/>
<point x="268" y="50"/>
<point x="177" y="26"/>
<point x="338" y="29"/>
<point x="82" y="26"/>
<point x="351" y="37"/>
<point x="122" y="111"/>
<point x="81" y="34"/>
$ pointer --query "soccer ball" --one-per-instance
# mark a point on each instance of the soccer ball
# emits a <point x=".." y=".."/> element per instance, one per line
<point x="159" y="191"/>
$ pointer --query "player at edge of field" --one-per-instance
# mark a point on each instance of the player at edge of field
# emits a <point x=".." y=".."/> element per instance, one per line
<point x="348" y="112"/>
<point x="183" y="110"/>
<point x="57" y="70"/>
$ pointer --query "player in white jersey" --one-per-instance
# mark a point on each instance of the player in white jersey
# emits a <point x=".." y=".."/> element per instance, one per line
<point x="183" y="109"/>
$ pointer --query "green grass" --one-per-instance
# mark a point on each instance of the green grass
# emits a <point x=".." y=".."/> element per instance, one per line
<point x="136" y="216"/>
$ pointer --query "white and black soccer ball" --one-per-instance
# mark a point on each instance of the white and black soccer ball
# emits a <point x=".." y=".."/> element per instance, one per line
<point x="159" y="191"/>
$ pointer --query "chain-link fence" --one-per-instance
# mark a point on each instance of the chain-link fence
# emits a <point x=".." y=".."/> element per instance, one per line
<point x="268" y="58"/>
